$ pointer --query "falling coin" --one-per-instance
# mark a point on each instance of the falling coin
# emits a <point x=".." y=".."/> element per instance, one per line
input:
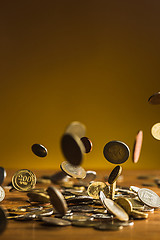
<point x="24" y="180"/>
<point x="76" y="128"/>
<point x="137" y="147"/>
<point x="39" y="150"/>
<point x="72" y="148"/>
<point x="95" y="188"/>
<point x="73" y="171"/>
<point x="155" y="99"/>
<point x="116" y="152"/>
<point x="3" y="175"/>
<point x="116" y="172"/>
<point x="87" y="144"/>
<point x="155" y="131"/>
<point x="57" y="200"/>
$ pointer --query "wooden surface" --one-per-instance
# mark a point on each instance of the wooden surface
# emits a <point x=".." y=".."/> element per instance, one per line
<point x="146" y="229"/>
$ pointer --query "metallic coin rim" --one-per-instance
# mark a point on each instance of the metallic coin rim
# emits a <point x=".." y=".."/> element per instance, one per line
<point x="63" y="167"/>
<point x="15" y="185"/>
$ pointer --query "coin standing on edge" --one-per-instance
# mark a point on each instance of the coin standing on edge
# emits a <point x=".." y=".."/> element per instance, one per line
<point x="116" y="152"/>
<point x="137" y="147"/>
<point x="155" y="99"/>
<point x="57" y="200"/>
<point x="2" y="194"/>
<point x="72" y="148"/>
<point x="39" y="150"/>
<point x="155" y="131"/>
<point x="73" y="171"/>
<point x="116" y="172"/>
<point x="24" y="180"/>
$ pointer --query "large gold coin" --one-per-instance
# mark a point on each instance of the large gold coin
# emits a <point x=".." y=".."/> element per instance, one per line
<point x="155" y="131"/>
<point x="24" y="180"/>
<point x="95" y="188"/>
<point x="73" y="171"/>
<point x="125" y="204"/>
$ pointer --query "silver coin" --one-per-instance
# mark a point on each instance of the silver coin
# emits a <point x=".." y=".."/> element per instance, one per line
<point x="50" y="221"/>
<point x="2" y="194"/>
<point x="116" y="152"/>
<point x="148" y="197"/>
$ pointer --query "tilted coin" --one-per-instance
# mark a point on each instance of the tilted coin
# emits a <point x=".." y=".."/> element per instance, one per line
<point x="154" y="99"/>
<point x="87" y="223"/>
<point x="87" y="144"/>
<point x="134" y="189"/>
<point x="72" y="148"/>
<point x="3" y="220"/>
<point x="116" y="172"/>
<point x="108" y="227"/>
<point x="39" y="150"/>
<point x="148" y="197"/>
<point x="76" y="128"/>
<point x="123" y="224"/>
<point x="116" y="152"/>
<point x="125" y="203"/>
<point x="2" y="194"/>
<point x="79" y="199"/>
<point x="78" y="217"/>
<point x="114" y="208"/>
<point x="73" y="171"/>
<point x="155" y="131"/>
<point x="3" y="175"/>
<point x="95" y="188"/>
<point x="137" y="147"/>
<point x="49" y="221"/>
<point x="57" y="200"/>
<point x="139" y="215"/>
<point x="24" y="180"/>
<point x="38" y="197"/>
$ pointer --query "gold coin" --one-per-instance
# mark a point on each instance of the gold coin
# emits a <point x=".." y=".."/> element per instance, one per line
<point x="73" y="171"/>
<point x="38" y="197"/>
<point x="155" y="131"/>
<point x="139" y="215"/>
<point x="125" y="204"/>
<point x="116" y="172"/>
<point x="95" y="188"/>
<point x="24" y="180"/>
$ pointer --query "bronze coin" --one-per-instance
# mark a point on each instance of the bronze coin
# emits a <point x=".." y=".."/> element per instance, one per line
<point x="155" y="99"/>
<point x="57" y="200"/>
<point x="116" y="152"/>
<point x="87" y="144"/>
<point x="72" y="148"/>
<point x="137" y="147"/>
<point x="39" y="150"/>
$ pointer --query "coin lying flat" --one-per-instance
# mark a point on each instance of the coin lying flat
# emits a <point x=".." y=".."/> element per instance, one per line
<point x="154" y="99"/>
<point x="73" y="171"/>
<point x="3" y="175"/>
<point x="3" y="220"/>
<point x="72" y="148"/>
<point x="155" y="131"/>
<point x="39" y="150"/>
<point x="2" y="194"/>
<point x="76" y="128"/>
<point x="95" y="188"/>
<point x="139" y="215"/>
<point x="87" y="144"/>
<point x="137" y="147"/>
<point x="57" y="200"/>
<point x="116" y="172"/>
<point x="24" y="180"/>
<point x="50" y="221"/>
<point x="116" y="152"/>
<point x="108" y="227"/>
<point x="114" y="208"/>
<point x="148" y="197"/>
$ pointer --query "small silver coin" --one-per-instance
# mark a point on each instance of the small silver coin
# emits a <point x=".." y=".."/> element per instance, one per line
<point x="2" y="194"/>
<point x="149" y="197"/>
<point x="39" y="150"/>
<point x="116" y="152"/>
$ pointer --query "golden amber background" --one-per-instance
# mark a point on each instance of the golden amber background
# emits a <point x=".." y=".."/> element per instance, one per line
<point x="96" y="62"/>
